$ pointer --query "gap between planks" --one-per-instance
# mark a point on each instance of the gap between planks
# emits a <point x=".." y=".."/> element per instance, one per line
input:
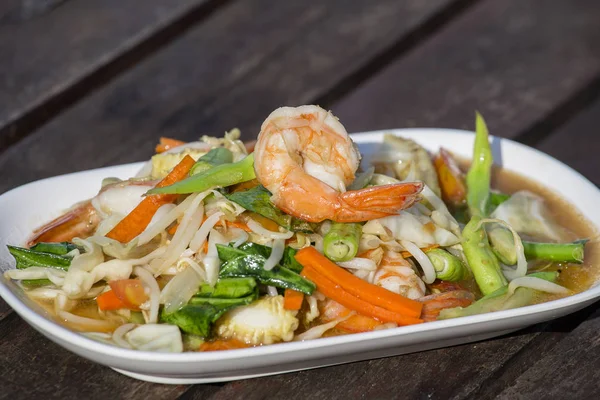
<point x="46" y="109"/>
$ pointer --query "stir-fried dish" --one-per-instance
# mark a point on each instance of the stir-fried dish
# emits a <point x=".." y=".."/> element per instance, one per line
<point x="217" y="244"/>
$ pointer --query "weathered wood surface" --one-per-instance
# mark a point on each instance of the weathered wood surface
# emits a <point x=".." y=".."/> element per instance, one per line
<point x="521" y="64"/>
<point x="47" y="47"/>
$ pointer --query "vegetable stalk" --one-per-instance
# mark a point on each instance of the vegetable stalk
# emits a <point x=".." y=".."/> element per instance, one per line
<point x="447" y="266"/>
<point x="341" y="242"/>
<point x="479" y="175"/>
<point x="219" y="176"/>
<point x="216" y="156"/>
<point x="556" y="252"/>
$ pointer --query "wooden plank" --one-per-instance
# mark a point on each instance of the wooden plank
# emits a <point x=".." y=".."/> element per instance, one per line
<point x="230" y="71"/>
<point x="577" y="143"/>
<point x="570" y="371"/>
<point x="177" y="93"/>
<point x="513" y="61"/>
<point x="49" y="46"/>
<point x="60" y="374"/>
<point x="514" y="94"/>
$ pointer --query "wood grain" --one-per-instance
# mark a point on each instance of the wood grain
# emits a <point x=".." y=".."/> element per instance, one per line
<point x="230" y="71"/>
<point x="32" y="366"/>
<point x="514" y="61"/>
<point x="47" y="47"/>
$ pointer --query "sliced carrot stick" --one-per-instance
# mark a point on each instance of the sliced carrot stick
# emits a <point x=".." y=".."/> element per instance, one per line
<point x="167" y="143"/>
<point x="137" y="220"/>
<point x="226" y="344"/>
<point x="108" y="301"/>
<point x="378" y="296"/>
<point x="425" y="249"/>
<point x="292" y="299"/>
<point x="335" y="292"/>
<point x="359" y="323"/>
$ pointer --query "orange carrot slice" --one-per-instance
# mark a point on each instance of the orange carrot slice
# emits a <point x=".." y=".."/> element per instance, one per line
<point x="137" y="220"/>
<point x="167" y="143"/>
<point x="378" y="296"/>
<point x="292" y="299"/>
<point x="335" y="292"/>
<point x="108" y="301"/>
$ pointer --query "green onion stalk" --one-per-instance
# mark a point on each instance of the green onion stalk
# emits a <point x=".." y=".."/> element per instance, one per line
<point x="222" y="175"/>
<point x="341" y="242"/>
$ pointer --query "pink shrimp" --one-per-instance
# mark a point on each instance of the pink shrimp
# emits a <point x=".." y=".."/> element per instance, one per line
<point x="305" y="157"/>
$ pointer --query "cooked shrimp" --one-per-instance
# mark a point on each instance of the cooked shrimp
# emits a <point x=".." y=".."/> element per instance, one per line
<point x="397" y="275"/>
<point x="306" y="159"/>
<point x="433" y="304"/>
<point x="83" y="219"/>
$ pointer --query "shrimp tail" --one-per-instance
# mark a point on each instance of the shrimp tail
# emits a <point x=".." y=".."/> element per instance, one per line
<point x="80" y="221"/>
<point x="377" y="201"/>
<point x="435" y="303"/>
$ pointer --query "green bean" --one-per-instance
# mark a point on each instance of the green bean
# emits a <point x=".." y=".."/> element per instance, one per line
<point x="341" y="242"/>
<point x="447" y="266"/>
<point x="479" y="175"/>
<point x="556" y="252"/>
<point x="219" y="176"/>
<point x="481" y="258"/>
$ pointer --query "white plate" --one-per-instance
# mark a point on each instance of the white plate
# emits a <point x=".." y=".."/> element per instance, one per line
<point x="25" y="208"/>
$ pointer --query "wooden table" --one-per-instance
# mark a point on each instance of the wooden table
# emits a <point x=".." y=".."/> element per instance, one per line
<point x="85" y="84"/>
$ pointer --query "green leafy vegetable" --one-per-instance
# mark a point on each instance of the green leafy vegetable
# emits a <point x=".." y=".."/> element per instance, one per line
<point x="59" y="249"/>
<point x="258" y="200"/>
<point x="252" y="265"/>
<point x="219" y="176"/>
<point x="214" y="157"/>
<point x="228" y="288"/>
<point x="227" y="253"/>
<point x="30" y="258"/>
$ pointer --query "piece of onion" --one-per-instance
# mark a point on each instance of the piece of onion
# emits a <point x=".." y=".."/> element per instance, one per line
<point x="272" y="291"/>
<point x="359" y="263"/>
<point x="276" y="254"/>
<point x="202" y="233"/>
<point x="318" y="331"/>
<point x="118" y="334"/>
<point x="537" y="284"/>
<point x="259" y="229"/>
<point x="180" y="289"/>
<point x="149" y="282"/>
<point x="422" y="259"/>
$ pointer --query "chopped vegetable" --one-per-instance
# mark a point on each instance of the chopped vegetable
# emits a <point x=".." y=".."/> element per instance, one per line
<point x="502" y="243"/>
<point x="258" y="200"/>
<point x="447" y="266"/>
<point x="341" y="242"/>
<point x="265" y="321"/>
<point x="108" y="301"/>
<point x="292" y="299"/>
<point x="167" y="144"/>
<point x="216" y="156"/>
<point x="452" y="183"/>
<point x="137" y="220"/>
<point x="497" y="198"/>
<point x="556" y="252"/>
<point x="342" y="279"/>
<point x="252" y="265"/>
<point x="26" y="258"/>
<point x="358" y="323"/>
<point x="481" y="259"/>
<point x="130" y="292"/>
<point x="219" y="176"/>
<point x="479" y="175"/>
<point x="348" y="300"/>
<point x="197" y="317"/>
<point x="228" y="288"/>
<point x="499" y="299"/>
<point x="60" y="248"/>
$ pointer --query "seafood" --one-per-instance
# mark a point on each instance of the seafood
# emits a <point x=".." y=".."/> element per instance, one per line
<point x="83" y="218"/>
<point x="397" y="275"/>
<point x="306" y="159"/>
